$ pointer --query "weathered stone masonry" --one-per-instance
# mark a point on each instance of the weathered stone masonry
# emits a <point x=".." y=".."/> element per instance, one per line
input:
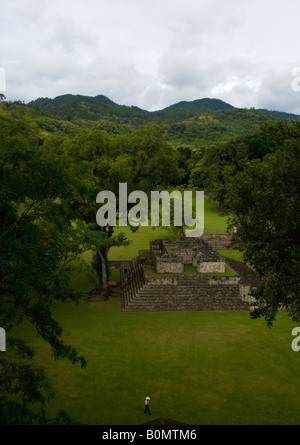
<point x="157" y="279"/>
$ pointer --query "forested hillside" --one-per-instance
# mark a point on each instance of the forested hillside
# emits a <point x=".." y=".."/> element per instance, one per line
<point x="194" y="123"/>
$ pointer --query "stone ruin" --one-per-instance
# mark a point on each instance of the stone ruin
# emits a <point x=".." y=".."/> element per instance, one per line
<point x="171" y="256"/>
<point x="183" y="275"/>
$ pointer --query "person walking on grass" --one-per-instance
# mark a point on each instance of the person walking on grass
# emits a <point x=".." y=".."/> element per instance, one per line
<point x="147" y="403"/>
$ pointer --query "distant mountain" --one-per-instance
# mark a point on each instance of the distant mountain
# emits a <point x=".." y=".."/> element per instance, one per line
<point x="280" y="114"/>
<point x="196" y="122"/>
<point x="185" y="110"/>
<point x="87" y="107"/>
<point x="203" y="104"/>
<point x="93" y="108"/>
<point x="46" y="103"/>
<point x="72" y="107"/>
<point x="103" y="99"/>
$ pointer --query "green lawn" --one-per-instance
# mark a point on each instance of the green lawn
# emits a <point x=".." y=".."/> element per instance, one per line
<point x="233" y="254"/>
<point x="214" y="221"/>
<point x="138" y="241"/>
<point x="198" y="367"/>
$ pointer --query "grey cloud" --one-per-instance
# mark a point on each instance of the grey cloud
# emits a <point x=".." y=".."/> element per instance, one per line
<point x="152" y="53"/>
<point x="276" y="92"/>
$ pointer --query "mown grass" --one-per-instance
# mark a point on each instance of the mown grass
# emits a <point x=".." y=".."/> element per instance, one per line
<point x="197" y="367"/>
<point x="214" y="221"/>
<point x="233" y="254"/>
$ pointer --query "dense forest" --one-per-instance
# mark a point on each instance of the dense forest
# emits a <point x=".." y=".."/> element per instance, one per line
<point x="57" y="154"/>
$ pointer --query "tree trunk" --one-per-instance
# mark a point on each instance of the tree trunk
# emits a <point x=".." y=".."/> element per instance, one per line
<point x="102" y="269"/>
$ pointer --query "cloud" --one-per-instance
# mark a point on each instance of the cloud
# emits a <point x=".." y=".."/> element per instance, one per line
<point x="276" y="91"/>
<point x="152" y="53"/>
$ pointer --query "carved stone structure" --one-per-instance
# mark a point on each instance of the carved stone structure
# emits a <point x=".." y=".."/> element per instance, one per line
<point x="182" y="275"/>
<point x="171" y="256"/>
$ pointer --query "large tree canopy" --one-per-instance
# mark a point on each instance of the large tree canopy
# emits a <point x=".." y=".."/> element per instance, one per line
<point x="141" y="159"/>
<point x="37" y="246"/>
<point x="264" y="199"/>
<point x="213" y="165"/>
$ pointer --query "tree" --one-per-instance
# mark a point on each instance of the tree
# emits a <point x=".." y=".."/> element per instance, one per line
<point x="94" y="151"/>
<point x="141" y="159"/>
<point x="184" y="158"/>
<point x="221" y="161"/>
<point x="265" y="200"/>
<point x="37" y="247"/>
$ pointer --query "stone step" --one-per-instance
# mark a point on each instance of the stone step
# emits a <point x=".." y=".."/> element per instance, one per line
<point x="170" y="297"/>
<point x="192" y="292"/>
<point x="184" y="308"/>
<point x="184" y="293"/>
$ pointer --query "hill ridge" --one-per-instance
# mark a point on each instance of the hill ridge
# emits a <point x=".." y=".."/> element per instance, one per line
<point x="193" y="106"/>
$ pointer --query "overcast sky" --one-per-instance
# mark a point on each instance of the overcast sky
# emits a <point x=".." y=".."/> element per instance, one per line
<point x="153" y="53"/>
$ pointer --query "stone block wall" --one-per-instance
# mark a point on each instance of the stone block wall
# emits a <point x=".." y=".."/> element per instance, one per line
<point x="211" y="267"/>
<point x="168" y="264"/>
<point x="218" y="242"/>
<point x="170" y="256"/>
<point x="224" y="280"/>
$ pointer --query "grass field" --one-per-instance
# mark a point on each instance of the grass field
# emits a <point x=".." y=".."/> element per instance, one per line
<point x="197" y="367"/>
<point x="200" y="368"/>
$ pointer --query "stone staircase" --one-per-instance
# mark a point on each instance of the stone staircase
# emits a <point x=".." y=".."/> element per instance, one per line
<point x="145" y="290"/>
<point x="152" y="298"/>
<point x="190" y="293"/>
<point x="204" y="292"/>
